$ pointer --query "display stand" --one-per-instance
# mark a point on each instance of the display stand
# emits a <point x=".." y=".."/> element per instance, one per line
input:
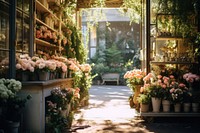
<point x="34" y="115"/>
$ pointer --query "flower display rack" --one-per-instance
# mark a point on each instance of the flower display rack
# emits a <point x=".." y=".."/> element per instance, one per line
<point x="34" y="118"/>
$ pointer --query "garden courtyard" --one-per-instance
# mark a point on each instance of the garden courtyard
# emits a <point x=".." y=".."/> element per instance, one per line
<point x="109" y="112"/>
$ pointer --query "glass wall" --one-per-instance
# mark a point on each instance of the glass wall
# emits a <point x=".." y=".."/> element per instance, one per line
<point x="11" y="39"/>
<point x="4" y="39"/>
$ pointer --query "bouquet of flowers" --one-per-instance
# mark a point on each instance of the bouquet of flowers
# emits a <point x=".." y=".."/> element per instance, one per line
<point x="192" y="80"/>
<point x="190" y="77"/>
<point x="177" y="92"/>
<point x="134" y="77"/>
<point x="10" y="101"/>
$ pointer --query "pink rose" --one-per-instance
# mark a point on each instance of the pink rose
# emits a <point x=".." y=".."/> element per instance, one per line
<point x="159" y="76"/>
<point x="18" y="66"/>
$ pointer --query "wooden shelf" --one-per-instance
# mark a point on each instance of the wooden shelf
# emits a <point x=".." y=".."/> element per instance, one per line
<point x="40" y="7"/>
<point x="47" y="9"/>
<point x="171" y="62"/>
<point x="169" y="114"/>
<point x="168" y="38"/>
<point x="45" y="43"/>
<point x="41" y="22"/>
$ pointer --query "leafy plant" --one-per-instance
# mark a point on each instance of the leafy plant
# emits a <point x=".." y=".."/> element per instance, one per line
<point x="11" y="102"/>
<point x="144" y="98"/>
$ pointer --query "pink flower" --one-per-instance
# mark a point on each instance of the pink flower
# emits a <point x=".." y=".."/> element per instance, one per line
<point x="164" y="86"/>
<point x="181" y="85"/>
<point x="159" y="76"/>
<point x="172" y="90"/>
<point x="18" y="66"/>
<point x="171" y="77"/>
<point x="166" y="81"/>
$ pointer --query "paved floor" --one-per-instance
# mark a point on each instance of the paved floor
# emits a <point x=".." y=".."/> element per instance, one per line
<point x="109" y="112"/>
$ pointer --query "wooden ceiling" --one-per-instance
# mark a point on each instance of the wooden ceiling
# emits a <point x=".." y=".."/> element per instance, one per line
<point x="88" y="3"/>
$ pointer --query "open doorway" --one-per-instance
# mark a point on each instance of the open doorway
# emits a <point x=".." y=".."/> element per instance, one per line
<point x="112" y="40"/>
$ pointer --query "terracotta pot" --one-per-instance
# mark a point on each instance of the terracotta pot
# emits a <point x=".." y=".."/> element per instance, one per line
<point x="44" y="76"/>
<point x="12" y="127"/>
<point x="136" y="95"/>
<point x="177" y="107"/>
<point x="144" y="107"/>
<point x="25" y="76"/>
<point x="156" y="102"/>
<point x="195" y="107"/>
<point x="166" y="105"/>
<point x="186" y="107"/>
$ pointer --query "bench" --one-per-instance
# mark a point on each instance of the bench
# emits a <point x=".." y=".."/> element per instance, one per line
<point x="110" y="77"/>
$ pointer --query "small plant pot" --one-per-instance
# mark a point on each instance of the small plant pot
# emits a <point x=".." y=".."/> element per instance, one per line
<point x="177" y="107"/>
<point x="195" y="107"/>
<point x="186" y="107"/>
<point x="156" y="102"/>
<point x="144" y="107"/>
<point x="166" y="105"/>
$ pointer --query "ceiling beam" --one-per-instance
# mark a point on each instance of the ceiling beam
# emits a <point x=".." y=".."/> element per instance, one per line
<point x="89" y="3"/>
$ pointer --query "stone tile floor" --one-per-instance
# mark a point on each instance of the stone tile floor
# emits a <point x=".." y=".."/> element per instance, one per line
<point x="109" y="112"/>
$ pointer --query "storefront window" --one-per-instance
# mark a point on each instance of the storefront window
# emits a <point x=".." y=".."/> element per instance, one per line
<point x="4" y="41"/>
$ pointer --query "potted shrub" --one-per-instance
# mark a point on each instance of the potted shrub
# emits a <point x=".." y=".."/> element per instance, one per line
<point x="144" y="100"/>
<point x="12" y="104"/>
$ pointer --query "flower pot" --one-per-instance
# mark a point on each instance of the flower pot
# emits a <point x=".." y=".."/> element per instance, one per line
<point x="62" y="75"/>
<point x="12" y="127"/>
<point x="195" y="107"/>
<point x="25" y="76"/>
<point x="177" y="107"/>
<point x="131" y="104"/>
<point x="156" y="102"/>
<point x="33" y="77"/>
<point x="43" y="76"/>
<point x="52" y="76"/>
<point x="186" y="107"/>
<point x="136" y="94"/>
<point x="144" y="107"/>
<point x="166" y="105"/>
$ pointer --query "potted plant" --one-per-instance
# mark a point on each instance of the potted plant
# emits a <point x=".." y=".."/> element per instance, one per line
<point x="59" y="105"/>
<point x="12" y="104"/>
<point x="144" y="100"/>
<point x="177" y="95"/>
<point x="134" y="80"/>
<point x="187" y="99"/>
<point x="166" y="84"/>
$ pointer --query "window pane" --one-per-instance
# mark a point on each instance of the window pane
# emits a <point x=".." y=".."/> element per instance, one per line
<point x="4" y="64"/>
<point x="92" y="52"/>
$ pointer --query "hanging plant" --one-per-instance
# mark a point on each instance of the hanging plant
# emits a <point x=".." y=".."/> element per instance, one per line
<point x="132" y="9"/>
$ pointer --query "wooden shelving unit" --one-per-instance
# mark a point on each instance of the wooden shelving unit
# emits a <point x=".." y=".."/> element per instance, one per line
<point x="57" y="27"/>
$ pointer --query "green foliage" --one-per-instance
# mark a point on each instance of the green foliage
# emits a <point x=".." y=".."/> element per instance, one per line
<point x="83" y="81"/>
<point x="132" y="9"/>
<point x="144" y="98"/>
<point x="197" y="45"/>
<point x="182" y="13"/>
<point x="155" y="91"/>
<point x="58" y="102"/>
<point x="75" y="47"/>
<point x="113" y="56"/>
